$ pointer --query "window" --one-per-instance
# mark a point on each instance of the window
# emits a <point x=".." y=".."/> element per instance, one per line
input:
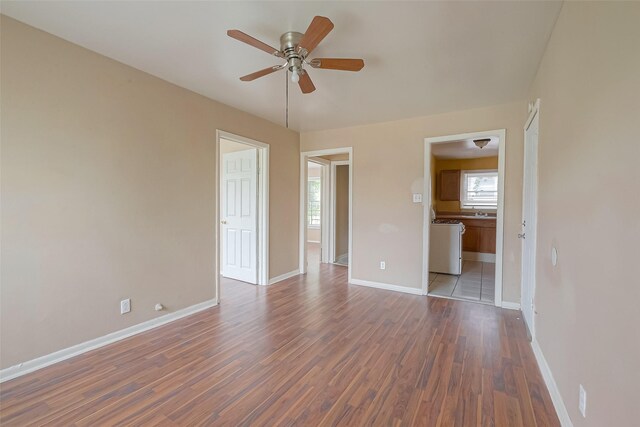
<point x="313" y="208"/>
<point x="479" y="189"/>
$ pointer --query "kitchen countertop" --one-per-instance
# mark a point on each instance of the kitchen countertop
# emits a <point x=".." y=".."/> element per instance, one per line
<point x="463" y="216"/>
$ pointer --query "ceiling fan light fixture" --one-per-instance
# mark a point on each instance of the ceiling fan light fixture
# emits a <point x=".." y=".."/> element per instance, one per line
<point x="295" y="76"/>
<point x="481" y="143"/>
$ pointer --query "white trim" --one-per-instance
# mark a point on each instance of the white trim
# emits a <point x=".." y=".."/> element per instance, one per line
<point x="511" y="305"/>
<point x="533" y="112"/>
<point x="325" y="186"/>
<point x="75" y="350"/>
<point x="263" y="206"/>
<point x="302" y="247"/>
<point x="554" y="391"/>
<point x="426" y="203"/>
<point x="479" y="256"/>
<point x="386" y="286"/>
<point x="284" y="276"/>
<point x="313" y="241"/>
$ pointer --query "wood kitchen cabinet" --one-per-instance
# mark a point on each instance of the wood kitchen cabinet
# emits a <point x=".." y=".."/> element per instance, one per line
<point x="487" y="242"/>
<point x="471" y="239"/>
<point x="450" y="185"/>
<point x="479" y="235"/>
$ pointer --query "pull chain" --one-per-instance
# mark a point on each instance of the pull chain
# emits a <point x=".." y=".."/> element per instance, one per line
<point x="287" y="103"/>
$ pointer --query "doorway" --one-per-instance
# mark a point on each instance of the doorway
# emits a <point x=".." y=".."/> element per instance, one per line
<point x="242" y="210"/>
<point x="529" y="218"/>
<point x="339" y="239"/>
<point x="325" y="208"/>
<point x="463" y="217"/>
<point x="316" y="219"/>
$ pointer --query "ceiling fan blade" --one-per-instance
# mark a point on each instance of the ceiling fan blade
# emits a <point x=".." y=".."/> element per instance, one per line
<point x="261" y="73"/>
<point x="343" y="64"/>
<point x="318" y="30"/>
<point x="305" y="83"/>
<point x="246" y="38"/>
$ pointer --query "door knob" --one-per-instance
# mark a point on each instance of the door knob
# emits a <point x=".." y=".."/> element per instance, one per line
<point x="224" y="221"/>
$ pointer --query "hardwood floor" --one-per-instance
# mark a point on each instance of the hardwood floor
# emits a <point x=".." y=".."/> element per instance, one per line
<point x="308" y="351"/>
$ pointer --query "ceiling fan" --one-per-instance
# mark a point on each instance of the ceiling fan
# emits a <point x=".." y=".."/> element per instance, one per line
<point x="295" y="48"/>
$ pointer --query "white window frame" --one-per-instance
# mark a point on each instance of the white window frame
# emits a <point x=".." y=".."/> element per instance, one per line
<point x="463" y="190"/>
<point x="319" y="179"/>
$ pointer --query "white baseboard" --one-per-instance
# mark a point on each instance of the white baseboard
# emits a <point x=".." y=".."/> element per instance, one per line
<point x="386" y="286"/>
<point x="60" y="355"/>
<point x="479" y="256"/>
<point x="556" y="398"/>
<point x="284" y="276"/>
<point x="313" y="241"/>
<point x="510" y="305"/>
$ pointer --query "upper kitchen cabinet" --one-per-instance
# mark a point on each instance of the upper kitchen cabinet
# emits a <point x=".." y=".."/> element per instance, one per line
<point x="450" y="185"/>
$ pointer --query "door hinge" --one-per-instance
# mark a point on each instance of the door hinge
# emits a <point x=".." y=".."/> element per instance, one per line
<point x="521" y="235"/>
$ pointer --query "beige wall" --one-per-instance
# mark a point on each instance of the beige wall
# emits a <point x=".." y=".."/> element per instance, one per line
<point x="227" y="146"/>
<point x="388" y="166"/>
<point x="108" y="192"/>
<point x="336" y="157"/>
<point x="313" y="235"/>
<point x="589" y="203"/>
<point x="342" y="210"/>
<point x="457" y="164"/>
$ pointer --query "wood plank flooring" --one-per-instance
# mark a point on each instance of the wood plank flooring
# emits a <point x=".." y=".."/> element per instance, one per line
<point x="308" y="351"/>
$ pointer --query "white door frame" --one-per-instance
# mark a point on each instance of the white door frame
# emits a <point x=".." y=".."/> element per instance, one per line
<point x="304" y="157"/>
<point x="426" y="204"/>
<point x="531" y="237"/>
<point x="325" y="185"/>
<point x="332" y="214"/>
<point x="263" y="206"/>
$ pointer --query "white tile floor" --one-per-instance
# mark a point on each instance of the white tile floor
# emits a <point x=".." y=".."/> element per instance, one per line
<point x="476" y="283"/>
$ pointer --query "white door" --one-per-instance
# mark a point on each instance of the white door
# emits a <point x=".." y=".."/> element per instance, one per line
<point x="238" y="215"/>
<point x="529" y="220"/>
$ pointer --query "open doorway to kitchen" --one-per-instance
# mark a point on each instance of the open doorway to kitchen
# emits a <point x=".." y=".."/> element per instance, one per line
<point x="464" y="216"/>
<point x="325" y="210"/>
<point x="242" y="210"/>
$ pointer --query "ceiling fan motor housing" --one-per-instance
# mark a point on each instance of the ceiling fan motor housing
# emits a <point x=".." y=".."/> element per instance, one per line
<point x="289" y="46"/>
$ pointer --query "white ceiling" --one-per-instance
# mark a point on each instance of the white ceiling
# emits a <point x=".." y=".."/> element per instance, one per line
<point x="421" y="57"/>
<point x="464" y="149"/>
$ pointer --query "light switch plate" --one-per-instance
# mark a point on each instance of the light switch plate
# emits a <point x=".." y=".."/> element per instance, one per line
<point x="125" y="306"/>
<point x="582" y="401"/>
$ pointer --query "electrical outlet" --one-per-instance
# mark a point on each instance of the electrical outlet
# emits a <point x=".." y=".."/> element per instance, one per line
<point x="417" y="198"/>
<point x="125" y="306"/>
<point x="383" y="265"/>
<point x="582" y="401"/>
